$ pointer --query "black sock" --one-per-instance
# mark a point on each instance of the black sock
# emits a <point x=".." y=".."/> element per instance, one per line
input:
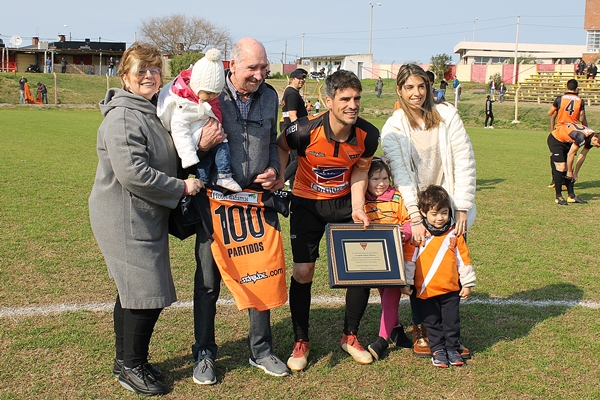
<point x="300" y="308"/>
<point x="356" y="303"/>
<point x="558" y="181"/>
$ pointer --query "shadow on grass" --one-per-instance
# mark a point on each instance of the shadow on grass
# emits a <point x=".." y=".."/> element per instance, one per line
<point x="485" y="184"/>
<point x="485" y="324"/>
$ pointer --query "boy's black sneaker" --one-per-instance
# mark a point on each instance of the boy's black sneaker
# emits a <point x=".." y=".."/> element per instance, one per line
<point x="398" y="336"/>
<point x="440" y="359"/>
<point x="141" y="381"/>
<point x="560" y="201"/>
<point x="118" y="365"/>
<point x="378" y="347"/>
<point x="455" y="358"/>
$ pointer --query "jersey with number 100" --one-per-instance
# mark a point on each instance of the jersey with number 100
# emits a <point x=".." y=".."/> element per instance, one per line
<point x="325" y="165"/>
<point x="568" y="107"/>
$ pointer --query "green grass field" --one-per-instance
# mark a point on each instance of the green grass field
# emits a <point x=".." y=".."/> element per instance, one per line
<point x="525" y="250"/>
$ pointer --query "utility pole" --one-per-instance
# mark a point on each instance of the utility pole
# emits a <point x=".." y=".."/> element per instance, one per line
<point x="516" y="69"/>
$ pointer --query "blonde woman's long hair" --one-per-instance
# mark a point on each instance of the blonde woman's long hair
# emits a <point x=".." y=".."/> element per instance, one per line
<point x="430" y="115"/>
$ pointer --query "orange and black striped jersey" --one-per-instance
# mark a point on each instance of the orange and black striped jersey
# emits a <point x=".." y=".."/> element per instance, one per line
<point x="325" y="165"/>
<point x="573" y="133"/>
<point x="568" y="107"/>
<point x="247" y="246"/>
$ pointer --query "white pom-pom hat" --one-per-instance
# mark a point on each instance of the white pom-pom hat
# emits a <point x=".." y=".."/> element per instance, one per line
<point x="207" y="73"/>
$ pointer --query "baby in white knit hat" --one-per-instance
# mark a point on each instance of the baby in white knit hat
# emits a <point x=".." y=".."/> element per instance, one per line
<point x="186" y="105"/>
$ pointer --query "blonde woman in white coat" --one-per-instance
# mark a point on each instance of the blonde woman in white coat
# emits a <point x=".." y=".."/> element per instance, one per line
<point x="426" y="144"/>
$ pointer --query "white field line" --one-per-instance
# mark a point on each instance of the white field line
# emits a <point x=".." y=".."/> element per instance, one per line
<point x="16" y="312"/>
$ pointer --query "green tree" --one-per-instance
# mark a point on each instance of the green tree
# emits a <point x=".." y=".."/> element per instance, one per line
<point x="440" y="64"/>
<point x="183" y="61"/>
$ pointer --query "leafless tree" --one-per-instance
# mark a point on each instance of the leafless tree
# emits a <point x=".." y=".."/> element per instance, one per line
<point x="178" y="33"/>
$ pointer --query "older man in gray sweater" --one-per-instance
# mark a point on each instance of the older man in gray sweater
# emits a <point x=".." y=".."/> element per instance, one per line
<point x="249" y="108"/>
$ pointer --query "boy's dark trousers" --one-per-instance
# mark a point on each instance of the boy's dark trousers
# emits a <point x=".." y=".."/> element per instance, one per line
<point x="442" y="321"/>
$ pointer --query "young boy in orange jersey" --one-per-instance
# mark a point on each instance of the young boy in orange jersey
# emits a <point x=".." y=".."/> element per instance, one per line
<point x="442" y="275"/>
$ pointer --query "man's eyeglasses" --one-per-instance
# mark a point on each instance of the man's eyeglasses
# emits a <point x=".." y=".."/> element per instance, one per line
<point x="249" y="122"/>
<point x="153" y="71"/>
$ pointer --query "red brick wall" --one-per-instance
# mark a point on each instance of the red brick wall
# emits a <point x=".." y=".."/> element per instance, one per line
<point x="591" y="21"/>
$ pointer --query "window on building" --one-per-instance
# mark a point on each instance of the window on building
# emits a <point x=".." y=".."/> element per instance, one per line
<point x="593" y="41"/>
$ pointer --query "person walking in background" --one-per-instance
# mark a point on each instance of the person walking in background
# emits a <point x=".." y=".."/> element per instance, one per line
<point x="489" y="114"/>
<point x="378" y="87"/>
<point x="335" y="150"/>
<point x="384" y="205"/>
<point x="185" y="106"/>
<point x="427" y="144"/>
<point x="135" y="189"/>
<point x="309" y="107"/>
<point x="63" y="65"/>
<point x="442" y="275"/>
<point x="22" y="83"/>
<point x="48" y="65"/>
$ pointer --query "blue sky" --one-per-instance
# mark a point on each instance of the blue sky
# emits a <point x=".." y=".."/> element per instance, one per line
<point x="402" y="30"/>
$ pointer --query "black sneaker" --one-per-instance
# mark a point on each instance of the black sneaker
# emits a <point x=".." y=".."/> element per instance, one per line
<point x="440" y="359"/>
<point x="139" y="380"/>
<point x="378" y="347"/>
<point x="560" y="201"/>
<point x="455" y="358"/>
<point x="399" y="337"/>
<point x="118" y="364"/>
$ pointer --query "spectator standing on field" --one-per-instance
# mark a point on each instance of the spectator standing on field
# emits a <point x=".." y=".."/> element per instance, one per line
<point x="457" y="88"/>
<point x="63" y="65"/>
<point x="317" y="106"/>
<point x="443" y="87"/>
<point x="22" y="83"/>
<point x="111" y="67"/>
<point x="489" y="114"/>
<point x="48" y="65"/>
<point x="379" y="87"/>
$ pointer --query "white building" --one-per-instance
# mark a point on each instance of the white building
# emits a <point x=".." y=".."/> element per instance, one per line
<point x="360" y="64"/>
<point x="504" y="53"/>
